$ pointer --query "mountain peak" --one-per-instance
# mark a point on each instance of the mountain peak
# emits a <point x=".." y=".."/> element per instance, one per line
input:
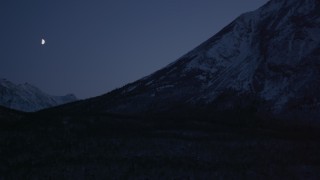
<point x="270" y="56"/>
<point x="26" y="97"/>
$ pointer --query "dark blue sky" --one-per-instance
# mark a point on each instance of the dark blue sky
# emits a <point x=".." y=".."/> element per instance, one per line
<point x="94" y="46"/>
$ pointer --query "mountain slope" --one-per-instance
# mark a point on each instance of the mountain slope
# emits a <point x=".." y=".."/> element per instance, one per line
<point x="270" y="56"/>
<point x="7" y="114"/>
<point x="26" y="97"/>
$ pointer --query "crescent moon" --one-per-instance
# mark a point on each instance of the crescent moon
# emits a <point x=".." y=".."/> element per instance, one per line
<point x="43" y="41"/>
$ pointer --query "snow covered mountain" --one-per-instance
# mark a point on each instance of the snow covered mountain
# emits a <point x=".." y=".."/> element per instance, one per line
<point x="270" y="56"/>
<point x="26" y="97"/>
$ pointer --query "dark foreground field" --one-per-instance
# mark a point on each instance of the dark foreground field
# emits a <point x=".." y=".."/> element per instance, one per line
<point x="106" y="147"/>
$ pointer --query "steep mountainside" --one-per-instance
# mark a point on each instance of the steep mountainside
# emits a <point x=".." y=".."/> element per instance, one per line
<point x="26" y="97"/>
<point x="270" y="56"/>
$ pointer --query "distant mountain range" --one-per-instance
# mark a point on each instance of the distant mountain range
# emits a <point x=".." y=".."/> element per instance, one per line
<point x="28" y="98"/>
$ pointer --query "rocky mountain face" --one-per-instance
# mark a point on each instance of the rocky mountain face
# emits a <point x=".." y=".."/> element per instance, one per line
<point x="25" y="97"/>
<point x="268" y="59"/>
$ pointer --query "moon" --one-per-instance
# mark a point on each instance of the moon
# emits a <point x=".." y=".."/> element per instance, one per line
<point x="43" y="41"/>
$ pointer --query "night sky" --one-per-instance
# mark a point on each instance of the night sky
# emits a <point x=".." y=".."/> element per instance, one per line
<point x="94" y="46"/>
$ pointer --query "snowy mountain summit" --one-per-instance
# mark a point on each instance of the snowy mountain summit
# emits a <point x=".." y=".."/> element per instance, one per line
<point x="25" y="97"/>
<point x="268" y="59"/>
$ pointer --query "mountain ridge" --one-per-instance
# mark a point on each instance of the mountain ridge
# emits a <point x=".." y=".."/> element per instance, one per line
<point x="269" y="55"/>
<point x="28" y="98"/>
